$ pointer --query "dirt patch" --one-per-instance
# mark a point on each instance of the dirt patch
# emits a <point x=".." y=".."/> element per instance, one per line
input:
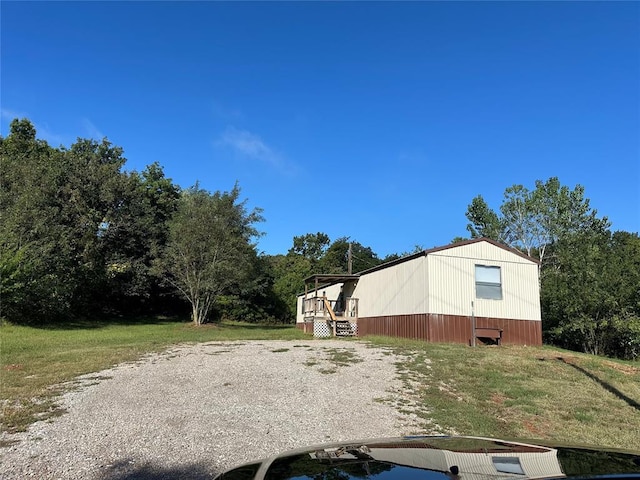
<point x="626" y="369"/>
<point x="498" y="398"/>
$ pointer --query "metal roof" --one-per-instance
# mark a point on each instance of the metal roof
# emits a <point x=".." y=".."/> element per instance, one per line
<point x="330" y="278"/>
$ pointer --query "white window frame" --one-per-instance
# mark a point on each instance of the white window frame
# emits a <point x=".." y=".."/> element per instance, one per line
<point x="488" y="284"/>
<point x="510" y="465"/>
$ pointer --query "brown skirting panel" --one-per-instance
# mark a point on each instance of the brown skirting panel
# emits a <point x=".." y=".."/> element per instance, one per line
<point x="306" y="327"/>
<point x="450" y="328"/>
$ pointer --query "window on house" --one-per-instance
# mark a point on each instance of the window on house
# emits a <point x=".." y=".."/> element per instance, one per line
<point x="488" y="282"/>
<point x="508" y="465"/>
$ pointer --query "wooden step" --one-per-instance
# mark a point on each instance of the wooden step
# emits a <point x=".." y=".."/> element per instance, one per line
<point x="343" y="329"/>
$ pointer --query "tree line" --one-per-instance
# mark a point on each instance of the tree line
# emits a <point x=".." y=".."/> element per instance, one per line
<point x="589" y="275"/>
<point x="80" y="236"/>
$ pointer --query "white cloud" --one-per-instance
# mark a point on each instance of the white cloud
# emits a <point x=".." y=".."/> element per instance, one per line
<point x="91" y="130"/>
<point x="251" y="146"/>
<point x="42" y="131"/>
<point x="10" y="114"/>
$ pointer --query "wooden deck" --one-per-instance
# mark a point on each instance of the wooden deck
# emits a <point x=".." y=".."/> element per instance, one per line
<point x="321" y="312"/>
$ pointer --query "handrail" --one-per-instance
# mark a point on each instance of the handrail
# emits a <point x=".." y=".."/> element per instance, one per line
<point x="322" y="306"/>
<point x="327" y="305"/>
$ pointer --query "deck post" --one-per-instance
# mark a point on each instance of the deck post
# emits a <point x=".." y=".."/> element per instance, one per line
<point x="473" y="326"/>
<point x="315" y="295"/>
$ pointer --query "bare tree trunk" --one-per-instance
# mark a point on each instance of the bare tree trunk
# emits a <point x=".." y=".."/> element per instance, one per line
<point x="195" y="314"/>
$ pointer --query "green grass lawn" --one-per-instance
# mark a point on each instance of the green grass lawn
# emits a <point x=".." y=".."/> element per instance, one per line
<point x="523" y="392"/>
<point x="515" y="392"/>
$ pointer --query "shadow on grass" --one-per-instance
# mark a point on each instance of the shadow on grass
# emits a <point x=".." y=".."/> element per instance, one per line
<point x="102" y="322"/>
<point x="254" y="326"/>
<point x="127" y="470"/>
<point x="607" y="386"/>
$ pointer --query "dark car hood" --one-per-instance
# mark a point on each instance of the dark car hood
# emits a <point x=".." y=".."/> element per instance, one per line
<point x="441" y="458"/>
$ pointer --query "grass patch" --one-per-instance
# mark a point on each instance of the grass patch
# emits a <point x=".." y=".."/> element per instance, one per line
<point x="327" y="371"/>
<point x="217" y="352"/>
<point x="522" y="392"/>
<point x="280" y="350"/>
<point x="333" y="359"/>
<point x="36" y="362"/>
<point x="342" y="357"/>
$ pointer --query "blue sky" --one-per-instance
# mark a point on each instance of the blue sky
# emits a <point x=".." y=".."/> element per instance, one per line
<point x="378" y="121"/>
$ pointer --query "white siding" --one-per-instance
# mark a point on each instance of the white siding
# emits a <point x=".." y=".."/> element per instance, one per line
<point x="412" y="457"/>
<point x="452" y="283"/>
<point x="542" y="464"/>
<point x="443" y="282"/>
<point x="299" y="307"/>
<point x="397" y="290"/>
<point x="534" y="465"/>
<point x="483" y="250"/>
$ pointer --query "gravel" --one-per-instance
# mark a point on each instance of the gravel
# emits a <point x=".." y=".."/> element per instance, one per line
<point x="194" y="411"/>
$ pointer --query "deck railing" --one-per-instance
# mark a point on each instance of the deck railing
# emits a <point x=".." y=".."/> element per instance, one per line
<point x="315" y="308"/>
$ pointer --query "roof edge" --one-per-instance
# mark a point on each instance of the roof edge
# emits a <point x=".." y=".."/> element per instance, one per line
<point x="421" y="253"/>
<point x="332" y="277"/>
<point x="488" y="240"/>
<point x="426" y="252"/>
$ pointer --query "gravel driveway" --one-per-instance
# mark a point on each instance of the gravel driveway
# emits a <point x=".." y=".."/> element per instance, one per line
<point x="196" y="410"/>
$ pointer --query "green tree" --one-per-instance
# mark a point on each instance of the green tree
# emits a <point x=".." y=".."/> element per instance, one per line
<point x="36" y="258"/>
<point x="210" y="247"/>
<point x="90" y="199"/>
<point x="459" y="239"/>
<point x="416" y="249"/>
<point x="289" y="272"/>
<point x="536" y="219"/>
<point x="315" y="253"/>
<point x="484" y="222"/>
<point x="136" y="237"/>
<point x="520" y="218"/>
<point x="17" y="153"/>
<point x="75" y="227"/>
<point x="256" y="299"/>
<point x="311" y="246"/>
<point x="336" y="258"/>
<point x="303" y="259"/>
<point x="532" y="220"/>
<point x="589" y="277"/>
<point x="590" y="299"/>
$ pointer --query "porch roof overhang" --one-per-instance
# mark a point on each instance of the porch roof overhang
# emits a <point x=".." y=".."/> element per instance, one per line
<point x="325" y="279"/>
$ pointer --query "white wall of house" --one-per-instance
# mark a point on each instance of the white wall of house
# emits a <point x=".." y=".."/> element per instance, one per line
<point x="299" y="309"/>
<point x="536" y="464"/>
<point x="396" y="290"/>
<point x="443" y="282"/>
<point x="452" y="283"/>
<point x="539" y="464"/>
